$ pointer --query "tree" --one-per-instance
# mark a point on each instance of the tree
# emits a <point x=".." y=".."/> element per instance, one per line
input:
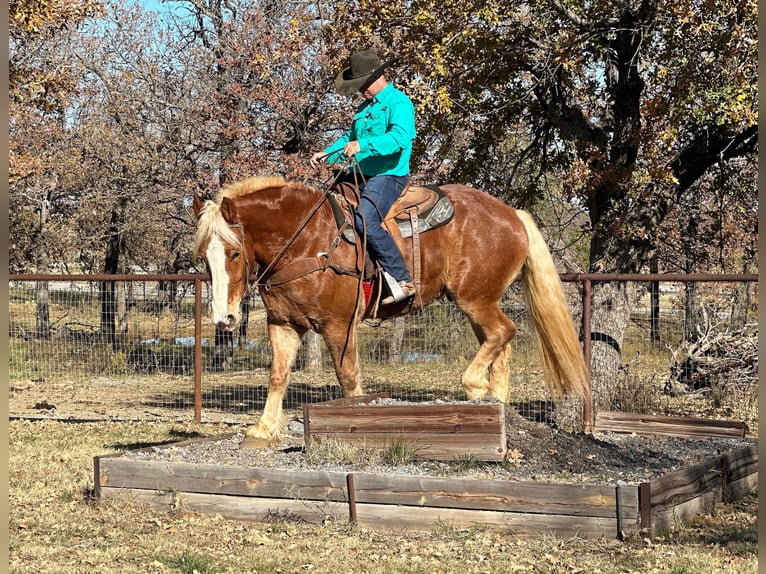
<point x="40" y="81"/>
<point x="155" y="109"/>
<point x="638" y="113"/>
<point x="260" y="94"/>
<point x="631" y="103"/>
<point x="42" y="78"/>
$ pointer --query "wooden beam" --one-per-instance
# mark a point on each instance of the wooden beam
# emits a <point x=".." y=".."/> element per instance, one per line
<point x="503" y="496"/>
<point x="665" y="425"/>
<point x="433" y="432"/>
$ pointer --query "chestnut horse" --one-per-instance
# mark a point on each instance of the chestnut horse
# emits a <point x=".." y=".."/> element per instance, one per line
<point x="264" y="225"/>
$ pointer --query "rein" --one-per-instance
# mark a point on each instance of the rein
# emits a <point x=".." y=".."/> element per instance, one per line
<point x="248" y="272"/>
<point x="305" y="266"/>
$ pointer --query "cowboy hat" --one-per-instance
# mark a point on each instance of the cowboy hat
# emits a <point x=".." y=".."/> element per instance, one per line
<point x="364" y="68"/>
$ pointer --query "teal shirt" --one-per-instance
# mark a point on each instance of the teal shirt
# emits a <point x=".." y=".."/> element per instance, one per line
<point x="384" y="128"/>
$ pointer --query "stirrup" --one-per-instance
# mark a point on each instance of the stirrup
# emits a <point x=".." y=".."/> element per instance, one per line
<point x="399" y="291"/>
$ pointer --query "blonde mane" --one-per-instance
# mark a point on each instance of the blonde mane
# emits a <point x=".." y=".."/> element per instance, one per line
<point x="249" y="185"/>
<point x="211" y="222"/>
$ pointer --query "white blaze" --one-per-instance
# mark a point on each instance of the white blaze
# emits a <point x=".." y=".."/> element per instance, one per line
<point x="216" y="263"/>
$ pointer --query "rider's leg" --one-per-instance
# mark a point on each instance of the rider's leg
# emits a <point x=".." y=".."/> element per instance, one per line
<point x="377" y="197"/>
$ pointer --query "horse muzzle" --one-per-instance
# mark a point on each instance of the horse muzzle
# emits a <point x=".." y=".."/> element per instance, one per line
<point x="227" y="323"/>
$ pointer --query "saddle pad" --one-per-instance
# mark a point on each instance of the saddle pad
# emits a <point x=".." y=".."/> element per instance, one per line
<point x="438" y="214"/>
<point x="433" y="209"/>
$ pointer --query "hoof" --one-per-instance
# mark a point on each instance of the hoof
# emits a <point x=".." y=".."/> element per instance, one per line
<point x="254" y="443"/>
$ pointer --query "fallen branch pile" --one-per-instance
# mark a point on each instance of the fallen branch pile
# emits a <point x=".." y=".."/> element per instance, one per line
<point x="714" y="360"/>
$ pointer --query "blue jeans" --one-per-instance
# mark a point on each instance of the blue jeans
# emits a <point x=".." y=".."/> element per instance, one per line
<point x="377" y="197"/>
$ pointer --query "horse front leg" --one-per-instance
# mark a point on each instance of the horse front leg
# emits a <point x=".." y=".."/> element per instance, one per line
<point x="285" y="342"/>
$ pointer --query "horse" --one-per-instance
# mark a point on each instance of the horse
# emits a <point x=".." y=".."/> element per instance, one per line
<point x="269" y="227"/>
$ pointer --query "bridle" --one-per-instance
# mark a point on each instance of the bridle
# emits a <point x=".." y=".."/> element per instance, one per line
<point x="307" y="265"/>
<point x="262" y="276"/>
<point x="248" y="271"/>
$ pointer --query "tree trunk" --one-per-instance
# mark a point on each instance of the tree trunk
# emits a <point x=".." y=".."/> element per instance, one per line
<point x="223" y="354"/>
<point x="741" y="303"/>
<point x="397" y="339"/>
<point x="313" y="351"/>
<point x="242" y="342"/>
<point x="692" y="311"/>
<point x="654" y="296"/>
<point x="107" y="312"/>
<point x="42" y="310"/>
<point x="692" y="308"/>
<point x="111" y="266"/>
<point x="611" y="313"/>
<point x="121" y="302"/>
<point x="42" y="304"/>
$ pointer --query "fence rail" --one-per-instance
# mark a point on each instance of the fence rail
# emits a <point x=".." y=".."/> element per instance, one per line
<point x="168" y="309"/>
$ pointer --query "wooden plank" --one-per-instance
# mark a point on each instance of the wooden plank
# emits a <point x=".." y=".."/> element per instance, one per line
<point x="234" y="507"/>
<point x="485" y="494"/>
<point x="664" y="517"/>
<point x="425" y="446"/>
<point x="379" y="517"/>
<point x="228" y="480"/>
<point x="740" y="487"/>
<point x="742" y="462"/>
<point x="436" y="432"/>
<point x="424" y="502"/>
<point x="607" y="421"/>
<point x="741" y="469"/>
<point x="645" y="506"/>
<point x="451" y="419"/>
<point x="519" y="525"/>
<point x="686" y="484"/>
<point x="703" y="488"/>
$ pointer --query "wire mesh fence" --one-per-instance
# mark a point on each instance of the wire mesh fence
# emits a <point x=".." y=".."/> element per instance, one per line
<point x="125" y="348"/>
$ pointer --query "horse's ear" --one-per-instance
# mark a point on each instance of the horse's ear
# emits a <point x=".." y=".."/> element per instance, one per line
<point x="197" y="204"/>
<point x="229" y="210"/>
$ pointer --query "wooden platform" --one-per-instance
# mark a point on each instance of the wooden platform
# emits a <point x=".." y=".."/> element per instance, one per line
<point x="687" y="427"/>
<point x="524" y="509"/>
<point x="431" y="432"/>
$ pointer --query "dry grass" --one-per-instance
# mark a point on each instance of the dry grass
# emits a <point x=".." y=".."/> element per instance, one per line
<point x="239" y="396"/>
<point x="56" y="527"/>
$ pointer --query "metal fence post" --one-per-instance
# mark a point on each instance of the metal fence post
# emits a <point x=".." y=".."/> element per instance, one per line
<point x="198" y="350"/>
<point x="587" y="411"/>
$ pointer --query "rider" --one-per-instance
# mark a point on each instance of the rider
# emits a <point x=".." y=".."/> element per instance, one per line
<point x="380" y="142"/>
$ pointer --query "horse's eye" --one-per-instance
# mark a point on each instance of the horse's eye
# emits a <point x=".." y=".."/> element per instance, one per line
<point x="234" y="255"/>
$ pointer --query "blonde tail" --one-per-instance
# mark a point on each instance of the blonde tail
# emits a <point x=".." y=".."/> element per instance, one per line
<point x="560" y="351"/>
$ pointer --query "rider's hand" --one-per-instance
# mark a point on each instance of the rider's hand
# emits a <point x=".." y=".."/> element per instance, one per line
<point x="317" y="158"/>
<point x="351" y="149"/>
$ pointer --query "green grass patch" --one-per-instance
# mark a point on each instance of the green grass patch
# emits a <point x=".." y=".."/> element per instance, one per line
<point x="333" y="451"/>
<point x="190" y="563"/>
<point x="401" y="451"/>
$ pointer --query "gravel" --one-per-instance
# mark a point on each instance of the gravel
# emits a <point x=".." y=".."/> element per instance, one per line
<point x="537" y="452"/>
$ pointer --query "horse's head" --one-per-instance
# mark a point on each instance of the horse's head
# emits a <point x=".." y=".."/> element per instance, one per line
<point x="220" y="242"/>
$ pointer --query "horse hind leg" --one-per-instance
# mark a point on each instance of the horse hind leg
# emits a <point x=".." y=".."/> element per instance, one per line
<point x="488" y="373"/>
<point x="500" y="375"/>
<point x="285" y="341"/>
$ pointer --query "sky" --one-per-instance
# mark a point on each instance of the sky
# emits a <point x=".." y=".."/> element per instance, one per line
<point x="155" y="5"/>
<point x="158" y="6"/>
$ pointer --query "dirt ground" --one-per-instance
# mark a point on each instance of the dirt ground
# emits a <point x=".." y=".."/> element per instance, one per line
<point x="537" y="451"/>
<point x="56" y="527"/>
<point x="537" y="448"/>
